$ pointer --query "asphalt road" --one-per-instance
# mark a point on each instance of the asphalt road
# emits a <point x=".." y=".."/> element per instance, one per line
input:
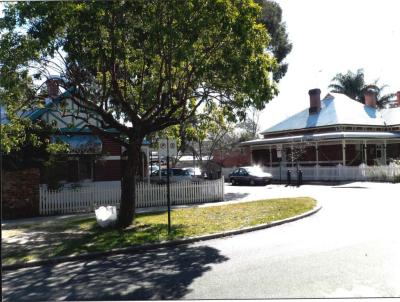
<point x="351" y="248"/>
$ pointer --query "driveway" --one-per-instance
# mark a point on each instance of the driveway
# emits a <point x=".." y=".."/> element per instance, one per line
<point x="351" y="248"/>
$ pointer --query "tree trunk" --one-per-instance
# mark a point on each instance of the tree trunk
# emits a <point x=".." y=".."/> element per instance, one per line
<point x="130" y="171"/>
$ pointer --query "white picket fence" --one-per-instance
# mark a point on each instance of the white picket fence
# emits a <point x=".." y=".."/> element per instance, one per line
<point x="87" y="198"/>
<point x="339" y="173"/>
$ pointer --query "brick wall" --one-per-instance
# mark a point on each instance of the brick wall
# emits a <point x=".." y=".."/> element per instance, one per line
<point x="20" y="193"/>
<point x="240" y="156"/>
<point x="110" y="146"/>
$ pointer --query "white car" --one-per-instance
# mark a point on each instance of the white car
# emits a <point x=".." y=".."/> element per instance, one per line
<point x="175" y="175"/>
<point x="194" y="172"/>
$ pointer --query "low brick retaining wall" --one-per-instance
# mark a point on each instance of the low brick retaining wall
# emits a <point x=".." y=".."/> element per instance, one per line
<point x="20" y="193"/>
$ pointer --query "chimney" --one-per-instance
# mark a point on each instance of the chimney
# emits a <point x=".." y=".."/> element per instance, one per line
<point x="315" y="100"/>
<point x="370" y="98"/>
<point x="52" y="88"/>
<point x="398" y="98"/>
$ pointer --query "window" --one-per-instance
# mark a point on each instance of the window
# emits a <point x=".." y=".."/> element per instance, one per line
<point x="179" y="172"/>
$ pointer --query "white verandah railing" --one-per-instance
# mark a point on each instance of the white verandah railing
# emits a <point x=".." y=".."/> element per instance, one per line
<point x="87" y="198"/>
<point x="338" y="173"/>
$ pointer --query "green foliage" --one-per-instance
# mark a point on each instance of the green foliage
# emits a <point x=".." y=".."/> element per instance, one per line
<point x="26" y="144"/>
<point x="353" y="85"/>
<point x="18" y="93"/>
<point x="280" y="46"/>
<point x="249" y="127"/>
<point x="137" y="55"/>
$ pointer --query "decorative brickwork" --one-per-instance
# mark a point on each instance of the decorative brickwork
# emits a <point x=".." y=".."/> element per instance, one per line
<point x="20" y="193"/>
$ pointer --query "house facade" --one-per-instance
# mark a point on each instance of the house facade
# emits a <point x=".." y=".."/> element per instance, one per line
<point x="93" y="155"/>
<point x="333" y="131"/>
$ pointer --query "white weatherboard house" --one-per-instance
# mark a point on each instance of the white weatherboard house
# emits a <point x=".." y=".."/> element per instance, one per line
<point x="336" y="138"/>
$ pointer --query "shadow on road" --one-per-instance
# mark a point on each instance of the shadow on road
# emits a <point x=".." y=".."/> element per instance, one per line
<point x="163" y="274"/>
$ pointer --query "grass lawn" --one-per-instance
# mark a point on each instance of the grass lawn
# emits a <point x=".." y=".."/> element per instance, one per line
<point x="78" y="235"/>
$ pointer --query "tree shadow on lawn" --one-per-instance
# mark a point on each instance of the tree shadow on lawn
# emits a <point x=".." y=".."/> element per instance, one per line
<point x="43" y="240"/>
<point x="39" y="243"/>
<point x="161" y="274"/>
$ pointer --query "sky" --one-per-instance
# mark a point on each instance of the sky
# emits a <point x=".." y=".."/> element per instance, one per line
<point x="331" y="37"/>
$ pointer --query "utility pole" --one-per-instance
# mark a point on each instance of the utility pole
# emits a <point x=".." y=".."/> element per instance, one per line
<point x="168" y="190"/>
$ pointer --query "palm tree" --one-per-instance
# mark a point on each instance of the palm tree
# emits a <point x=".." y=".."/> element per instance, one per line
<point x="381" y="99"/>
<point x="354" y="86"/>
<point x="350" y="84"/>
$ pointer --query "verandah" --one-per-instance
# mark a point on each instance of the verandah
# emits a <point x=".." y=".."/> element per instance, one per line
<point x="327" y="153"/>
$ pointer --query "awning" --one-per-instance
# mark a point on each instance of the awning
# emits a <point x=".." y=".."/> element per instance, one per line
<point x="324" y="137"/>
<point x="80" y="144"/>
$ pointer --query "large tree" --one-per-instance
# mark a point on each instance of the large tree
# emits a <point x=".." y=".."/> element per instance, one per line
<point x="353" y="85"/>
<point x="144" y="65"/>
<point x="203" y="134"/>
<point x="280" y="46"/>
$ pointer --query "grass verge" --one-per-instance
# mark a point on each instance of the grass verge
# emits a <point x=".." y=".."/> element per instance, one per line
<point x="77" y="235"/>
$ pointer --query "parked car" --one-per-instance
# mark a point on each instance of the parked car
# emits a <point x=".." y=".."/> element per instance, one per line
<point x="175" y="175"/>
<point x="194" y="172"/>
<point x="249" y="175"/>
<point x="153" y="168"/>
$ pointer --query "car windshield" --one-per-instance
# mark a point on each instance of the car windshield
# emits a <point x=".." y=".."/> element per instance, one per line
<point x="193" y="171"/>
<point x="254" y="170"/>
<point x="172" y="172"/>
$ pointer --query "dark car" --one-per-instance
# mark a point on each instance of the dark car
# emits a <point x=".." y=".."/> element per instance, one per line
<point x="249" y="175"/>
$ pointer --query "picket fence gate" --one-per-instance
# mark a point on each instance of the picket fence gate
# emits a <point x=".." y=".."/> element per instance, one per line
<point x="87" y="198"/>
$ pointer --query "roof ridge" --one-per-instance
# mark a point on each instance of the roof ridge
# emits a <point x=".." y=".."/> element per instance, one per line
<point x="336" y="109"/>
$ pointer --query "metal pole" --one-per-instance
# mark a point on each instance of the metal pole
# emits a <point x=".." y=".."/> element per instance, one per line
<point x="151" y="166"/>
<point x="344" y="152"/>
<point x="365" y="153"/>
<point x="194" y="162"/>
<point x="168" y="190"/>
<point x="384" y="153"/>
<point x="159" y="164"/>
<point x="270" y="156"/>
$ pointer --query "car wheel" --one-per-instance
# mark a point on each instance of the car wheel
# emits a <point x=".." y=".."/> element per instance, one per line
<point x="233" y="182"/>
<point x="252" y="182"/>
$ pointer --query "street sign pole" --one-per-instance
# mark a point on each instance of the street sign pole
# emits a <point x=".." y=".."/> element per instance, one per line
<point x="279" y="155"/>
<point x="168" y="191"/>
